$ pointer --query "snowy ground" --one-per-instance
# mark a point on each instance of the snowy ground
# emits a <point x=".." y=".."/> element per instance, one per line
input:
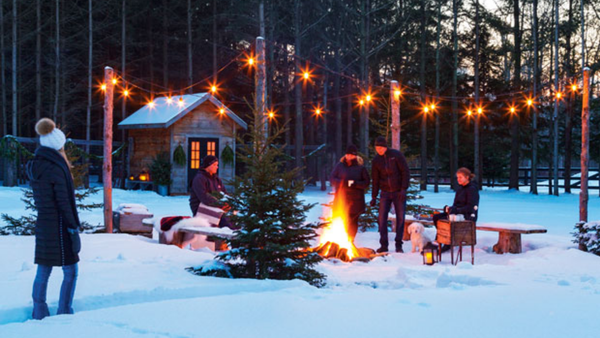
<point x="133" y="287"/>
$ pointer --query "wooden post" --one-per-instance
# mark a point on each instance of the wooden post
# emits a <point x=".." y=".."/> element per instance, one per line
<point x="585" y="144"/>
<point x="108" y="138"/>
<point x="260" y="77"/>
<point x="395" y="100"/>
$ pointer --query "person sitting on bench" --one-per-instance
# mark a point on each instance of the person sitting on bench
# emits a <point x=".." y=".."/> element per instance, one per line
<point x="466" y="200"/>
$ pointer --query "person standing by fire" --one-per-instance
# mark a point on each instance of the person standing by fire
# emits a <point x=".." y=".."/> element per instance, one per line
<point x="390" y="174"/>
<point x="350" y="179"/>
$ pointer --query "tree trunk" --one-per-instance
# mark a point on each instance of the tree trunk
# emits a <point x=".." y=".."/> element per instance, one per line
<point x="298" y="89"/>
<point x="286" y="103"/>
<point x="38" y="61"/>
<point x="124" y="160"/>
<point x="557" y="101"/>
<point x="349" y="107"/>
<point x="534" y="140"/>
<point x="476" y="164"/>
<point x="338" y="114"/>
<point x="423" y="180"/>
<point x="165" y="29"/>
<point x="57" y="64"/>
<point x="569" y="115"/>
<point x="189" y="46"/>
<point x="3" y="65"/>
<point x="513" y="182"/>
<point x="88" y="123"/>
<point x="454" y="133"/>
<point x="436" y="156"/>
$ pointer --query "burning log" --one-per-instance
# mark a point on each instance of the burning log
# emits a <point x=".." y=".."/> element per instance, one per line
<point x="333" y="250"/>
<point x="342" y="255"/>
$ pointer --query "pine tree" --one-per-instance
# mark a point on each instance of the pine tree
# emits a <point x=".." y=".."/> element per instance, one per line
<point x="25" y="225"/>
<point x="274" y="239"/>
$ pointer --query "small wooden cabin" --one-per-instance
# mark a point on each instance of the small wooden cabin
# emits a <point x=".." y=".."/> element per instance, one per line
<point x="199" y="123"/>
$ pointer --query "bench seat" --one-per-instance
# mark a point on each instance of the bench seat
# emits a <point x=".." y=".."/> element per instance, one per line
<point x="509" y="235"/>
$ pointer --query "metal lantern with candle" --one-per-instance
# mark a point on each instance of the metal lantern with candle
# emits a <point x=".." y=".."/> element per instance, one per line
<point x="430" y="254"/>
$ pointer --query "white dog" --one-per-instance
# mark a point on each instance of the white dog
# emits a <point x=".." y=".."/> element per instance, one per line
<point x="418" y="237"/>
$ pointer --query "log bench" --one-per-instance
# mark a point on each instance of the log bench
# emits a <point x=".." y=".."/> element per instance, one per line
<point x="509" y="235"/>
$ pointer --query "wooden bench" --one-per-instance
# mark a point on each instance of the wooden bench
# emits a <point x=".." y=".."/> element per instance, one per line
<point x="509" y="235"/>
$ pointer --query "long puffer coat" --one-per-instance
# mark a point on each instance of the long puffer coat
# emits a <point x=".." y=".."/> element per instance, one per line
<point x="57" y="218"/>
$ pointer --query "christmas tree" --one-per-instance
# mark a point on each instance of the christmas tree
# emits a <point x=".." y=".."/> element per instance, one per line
<point x="274" y="237"/>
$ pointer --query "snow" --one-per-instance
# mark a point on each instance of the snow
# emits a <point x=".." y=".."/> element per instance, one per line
<point x="132" y="208"/>
<point x="130" y="286"/>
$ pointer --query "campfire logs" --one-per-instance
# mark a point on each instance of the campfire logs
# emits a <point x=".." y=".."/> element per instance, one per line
<point x="333" y="250"/>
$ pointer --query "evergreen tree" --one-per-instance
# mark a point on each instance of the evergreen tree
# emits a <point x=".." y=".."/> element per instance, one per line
<point x="274" y="239"/>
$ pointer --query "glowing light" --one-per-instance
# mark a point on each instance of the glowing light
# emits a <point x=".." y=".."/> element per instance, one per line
<point x="426" y="110"/>
<point x="368" y="98"/>
<point x="530" y="102"/>
<point x="558" y="95"/>
<point x="574" y="87"/>
<point x="144" y="177"/>
<point x="398" y="92"/>
<point x="180" y="102"/>
<point x="318" y="111"/>
<point x="250" y="61"/>
<point x="306" y="75"/>
<point x="512" y="110"/>
<point x="103" y="86"/>
<point x="213" y="89"/>
<point x="114" y="81"/>
<point x="271" y="114"/>
<point x="126" y="93"/>
<point x="361" y="102"/>
<point x="169" y="100"/>
<point x="433" y="106"/>
<point x="479" y="110"/>
<point x="469" y="112"/>
<point x="151" y="104"/>
<point x="222" y="111"/>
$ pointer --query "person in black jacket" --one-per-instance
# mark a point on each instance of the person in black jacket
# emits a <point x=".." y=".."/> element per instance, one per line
<point x="350" y="179"/>
<point x="57" y="226"/>
<point x="466" y="200"/>
<point x="205" y="183"/>
<point x="390" y="173"/>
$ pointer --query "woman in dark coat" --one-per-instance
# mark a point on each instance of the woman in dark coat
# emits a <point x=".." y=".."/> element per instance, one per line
<point x="57" y="227"/>
<point x="466" y="199"/>
<point x="350" y="179"/>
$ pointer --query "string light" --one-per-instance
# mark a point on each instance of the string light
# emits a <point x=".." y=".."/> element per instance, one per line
<point x="103" y="86"/>
<point x="213" y="89"/>
<point x="574" y="87"/>
<point x="479" y="110"/>
<point x="469" y="112"/>
<point x="512" y="110"/>
<point x="361" y="102"/>
<point x="426" y="109"/>
<point x="397" y="92"/>
<point x="250" y="61"/>
<point x="529" y="102"/>
<point x="222" y="111"/>
<point x="559" y="95"/>
<point x="126" y="93"/>
<point x="180" y="103"/>
<point x="169" y="100"/>
<point x="151" y="104"/>
<point x="271" y="114"/>
<point x="318" y="111"/>
<point x="114" y="81"/>
<point x="433" y="106"/>
<point x="368" y="97"/>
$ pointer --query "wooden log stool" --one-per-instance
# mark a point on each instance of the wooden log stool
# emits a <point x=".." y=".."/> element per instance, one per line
<point x="456" y="233"/>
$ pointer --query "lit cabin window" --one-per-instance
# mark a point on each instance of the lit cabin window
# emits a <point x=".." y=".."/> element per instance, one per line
<point x="211" y="148"/>
<point x="195" y="155"/>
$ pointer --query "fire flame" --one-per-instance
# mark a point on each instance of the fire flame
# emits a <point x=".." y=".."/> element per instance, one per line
<point x="335" y="232"/>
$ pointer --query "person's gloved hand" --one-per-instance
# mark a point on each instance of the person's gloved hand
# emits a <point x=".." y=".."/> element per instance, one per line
<point x="373" y="202"/>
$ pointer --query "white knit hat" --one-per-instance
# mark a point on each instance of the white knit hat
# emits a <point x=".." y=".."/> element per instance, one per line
<point x="50" y="136"/>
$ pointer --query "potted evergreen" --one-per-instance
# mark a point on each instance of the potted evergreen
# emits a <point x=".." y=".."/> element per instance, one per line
<point x="160" y="172"/>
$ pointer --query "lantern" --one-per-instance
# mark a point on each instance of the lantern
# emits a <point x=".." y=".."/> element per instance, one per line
<point x="430" y="254"/>
<point x="144" y="177"/>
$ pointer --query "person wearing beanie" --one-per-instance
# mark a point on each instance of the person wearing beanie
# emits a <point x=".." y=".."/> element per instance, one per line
<point x="57" y="225"/>
<point x="350" y="179"/>
<point x="391" y="175"/>
<point x="204" y="185"/>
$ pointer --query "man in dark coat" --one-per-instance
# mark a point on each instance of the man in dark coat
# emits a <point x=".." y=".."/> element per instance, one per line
<point x="390" y="173"/>
<point x="57" y="240"/>
<point x="350" y="179"/>
<point x="205" y="183"/>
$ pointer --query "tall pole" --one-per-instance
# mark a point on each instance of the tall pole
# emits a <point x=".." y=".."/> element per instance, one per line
<point x="585" y="144"/>
<point x="108" y="138"/>
<point x="260" y="83"/>
<point x="395" y="100"/>
<point x="556" y="101"/>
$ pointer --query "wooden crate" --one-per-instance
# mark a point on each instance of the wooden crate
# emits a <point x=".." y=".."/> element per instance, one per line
<point x="131" y="223"/>
<point x="456" y="233"/>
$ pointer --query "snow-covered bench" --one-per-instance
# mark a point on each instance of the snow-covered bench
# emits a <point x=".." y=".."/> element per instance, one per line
<point x="509" y="235"/>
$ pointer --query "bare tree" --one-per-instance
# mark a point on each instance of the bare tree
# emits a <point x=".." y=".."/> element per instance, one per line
<point x="57" y="63"/>
<point x="3" y="65"/>
<point x="534" y="140"/>
<point x="513" y="182"/>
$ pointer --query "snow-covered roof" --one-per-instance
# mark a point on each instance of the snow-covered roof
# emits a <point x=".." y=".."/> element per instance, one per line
<point x="163" y="114"/>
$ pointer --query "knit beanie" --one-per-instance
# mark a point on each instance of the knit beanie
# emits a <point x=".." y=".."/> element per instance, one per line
<point x="50" y="136"/>
<point x="352" y="150"/>
<point x="380" y="142"/>
<point x="208" y="160"/>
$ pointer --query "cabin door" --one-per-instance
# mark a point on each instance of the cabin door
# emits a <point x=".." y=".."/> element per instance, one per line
<point x="198" y="148"/>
